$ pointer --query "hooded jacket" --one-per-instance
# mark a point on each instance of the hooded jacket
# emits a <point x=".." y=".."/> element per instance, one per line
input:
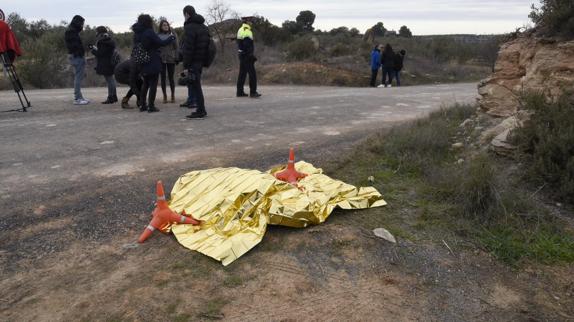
<point x="195" y="42"/>
<point x="245" y="44"/>
<point x="375" y="59"/>
<point x="150" y="42"/>
<point x="105" y="49"/>
<point x="72" y="37"/>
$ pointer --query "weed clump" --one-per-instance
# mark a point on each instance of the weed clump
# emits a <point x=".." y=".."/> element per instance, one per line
<point x="547" y="143"/>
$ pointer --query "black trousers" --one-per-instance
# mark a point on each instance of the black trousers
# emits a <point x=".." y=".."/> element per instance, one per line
<point x="247" y="66"/>
<point x="374" y="73"/>
<point x="149" y="84"/>
<point x="135" y="79"/>
<point x="139" y="84"/>
<point x="388" y="74"/>
<point x="196" y="88"/>
<point x="168" y="69"/>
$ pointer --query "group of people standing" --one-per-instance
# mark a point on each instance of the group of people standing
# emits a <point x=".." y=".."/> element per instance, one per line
<point x="154" y="55"/>
<point x="390" y="64"/>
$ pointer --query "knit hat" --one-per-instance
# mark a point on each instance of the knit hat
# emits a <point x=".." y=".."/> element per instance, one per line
<point x="2" y="16"/>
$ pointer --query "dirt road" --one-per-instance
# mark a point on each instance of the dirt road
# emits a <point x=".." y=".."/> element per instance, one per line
<point x="76" y="184"/>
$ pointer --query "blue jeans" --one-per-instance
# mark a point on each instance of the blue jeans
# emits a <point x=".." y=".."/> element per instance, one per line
<point x="111" y="85"/>
<point x="398" y="77"/>
<point x="79" y="64"/>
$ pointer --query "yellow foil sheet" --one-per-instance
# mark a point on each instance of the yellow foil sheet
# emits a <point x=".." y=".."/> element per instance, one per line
<point x="236" y="206"/>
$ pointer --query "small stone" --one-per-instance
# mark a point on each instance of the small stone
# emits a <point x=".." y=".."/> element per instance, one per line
<point x="466" y="123"/>
<point x="460" y="161"/>
<point x="458" y="145"/>
<point x="371" y="179"/>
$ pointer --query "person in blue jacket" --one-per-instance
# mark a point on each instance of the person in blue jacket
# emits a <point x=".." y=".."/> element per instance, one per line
<point x="144" y="34"/>
<point x="375" y="65"/>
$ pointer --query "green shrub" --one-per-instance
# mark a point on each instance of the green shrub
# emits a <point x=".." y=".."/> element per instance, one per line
<point x="547" y="141"/>
<point x="554" y="17"/>
<point x="45" y="62"/>
<point x="300" y="49"/>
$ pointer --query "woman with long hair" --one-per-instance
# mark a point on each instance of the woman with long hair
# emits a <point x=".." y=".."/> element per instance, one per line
<point x="169" y="58"/>
<point x="387" y="60"/>
<point x="145" y="37"/>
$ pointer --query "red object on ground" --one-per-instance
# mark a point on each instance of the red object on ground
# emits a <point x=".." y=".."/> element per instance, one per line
<point x="8" y="41"/>
<point x="290" y="174"/>
<point x="163" y="216"/>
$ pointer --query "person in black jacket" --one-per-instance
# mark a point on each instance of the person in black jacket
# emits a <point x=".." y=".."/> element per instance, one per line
<point x="398" y="65"/>
<point x="195" y="53"/>
<point x="122" y="73"/>
<point x="144" y="34"/>
<point x="246" y="51"/>
<point x="76" y="53"/>
<point x="104" y="50"/>
<point x="387" y="60"/>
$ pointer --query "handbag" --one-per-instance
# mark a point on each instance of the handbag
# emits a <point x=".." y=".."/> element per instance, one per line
<point x="139" y="55"/>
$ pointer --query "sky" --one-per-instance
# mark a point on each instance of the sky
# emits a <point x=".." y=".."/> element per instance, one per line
<point x="423" y="17"/>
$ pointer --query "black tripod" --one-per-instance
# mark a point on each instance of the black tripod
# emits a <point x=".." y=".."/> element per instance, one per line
<point x="15" y="80"/>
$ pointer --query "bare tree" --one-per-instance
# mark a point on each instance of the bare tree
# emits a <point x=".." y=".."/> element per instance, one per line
<point x="217" y="13"/>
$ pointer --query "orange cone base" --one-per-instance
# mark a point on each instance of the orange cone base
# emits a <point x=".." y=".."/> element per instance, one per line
<point x="163" y="216"/>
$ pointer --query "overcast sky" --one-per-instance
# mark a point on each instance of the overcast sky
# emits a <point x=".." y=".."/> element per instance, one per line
<point x="423" y="17"/>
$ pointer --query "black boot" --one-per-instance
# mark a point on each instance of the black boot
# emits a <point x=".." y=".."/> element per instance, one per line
<point x="152" y="109"/>
<point x="109" y="100"/>
<point x="143" y="108"/>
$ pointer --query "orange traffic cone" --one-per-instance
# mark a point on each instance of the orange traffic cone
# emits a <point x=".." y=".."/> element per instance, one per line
<point x="290" y="174"/>
<point x="163" y="216"/>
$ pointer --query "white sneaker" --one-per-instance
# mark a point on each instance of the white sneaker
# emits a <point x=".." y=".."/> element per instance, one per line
<point x="390" y="85"/>
<point x="380" y="86"/>
<point x="81" y="101"/>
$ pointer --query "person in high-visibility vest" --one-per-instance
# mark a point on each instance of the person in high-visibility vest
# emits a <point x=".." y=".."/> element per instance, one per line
<point x="246" y="50"/>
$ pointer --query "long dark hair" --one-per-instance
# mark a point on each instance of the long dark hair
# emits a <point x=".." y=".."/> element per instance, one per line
<point x="168" y="27"/>
<point x="388" y="48"/>
<point x="145" y="20"/>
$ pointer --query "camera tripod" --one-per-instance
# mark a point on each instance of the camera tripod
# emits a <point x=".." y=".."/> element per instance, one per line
<point x="10" y="70"/>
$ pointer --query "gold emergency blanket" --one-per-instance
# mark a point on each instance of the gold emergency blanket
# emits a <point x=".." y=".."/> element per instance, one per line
<point x="236" y="206"/>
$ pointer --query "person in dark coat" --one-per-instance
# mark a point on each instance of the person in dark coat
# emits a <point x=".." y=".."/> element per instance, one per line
<point x="247" y="59"/>
<point x="145" y="35"/>
<point x="76" y="56"/>
<point x="375" y="64"/>
<point x="103" y="50"/>
<point x="195" y="53"/>
<point x="169" y="58"/>
<point x="122" y="73"/>
<point x="387" y="60"/>
<point x="398" y="63"/>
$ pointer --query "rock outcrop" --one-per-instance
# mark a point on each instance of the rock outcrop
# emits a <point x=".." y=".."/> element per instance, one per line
<point x="527" y="63"/>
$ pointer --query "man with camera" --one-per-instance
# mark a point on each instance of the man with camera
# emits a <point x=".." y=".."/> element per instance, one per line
<point x="196" y="40"/>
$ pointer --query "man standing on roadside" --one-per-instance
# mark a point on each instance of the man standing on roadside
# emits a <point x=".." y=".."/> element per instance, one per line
<point x="76" y="53"/>
<point x="196" y="41"/>
<point x="246" y="50"/>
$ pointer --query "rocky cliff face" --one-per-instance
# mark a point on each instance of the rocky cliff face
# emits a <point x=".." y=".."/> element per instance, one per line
<point x="527" y="63"/>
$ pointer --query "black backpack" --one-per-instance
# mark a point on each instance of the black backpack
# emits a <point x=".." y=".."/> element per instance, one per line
<point x="211" y="52"/>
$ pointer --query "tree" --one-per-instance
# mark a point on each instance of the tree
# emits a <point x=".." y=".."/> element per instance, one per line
<point x="379" y="29"/>
<point x="354" y="32"/>
<point x="405" y="32"/>
<point x="306" y="19"/>
<point x="554" y="17"/>
<point x="217" y="13"/>
<point x="292" y="27"/>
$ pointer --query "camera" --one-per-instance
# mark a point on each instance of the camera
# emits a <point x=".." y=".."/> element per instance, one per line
<point x="186" y="78"/>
